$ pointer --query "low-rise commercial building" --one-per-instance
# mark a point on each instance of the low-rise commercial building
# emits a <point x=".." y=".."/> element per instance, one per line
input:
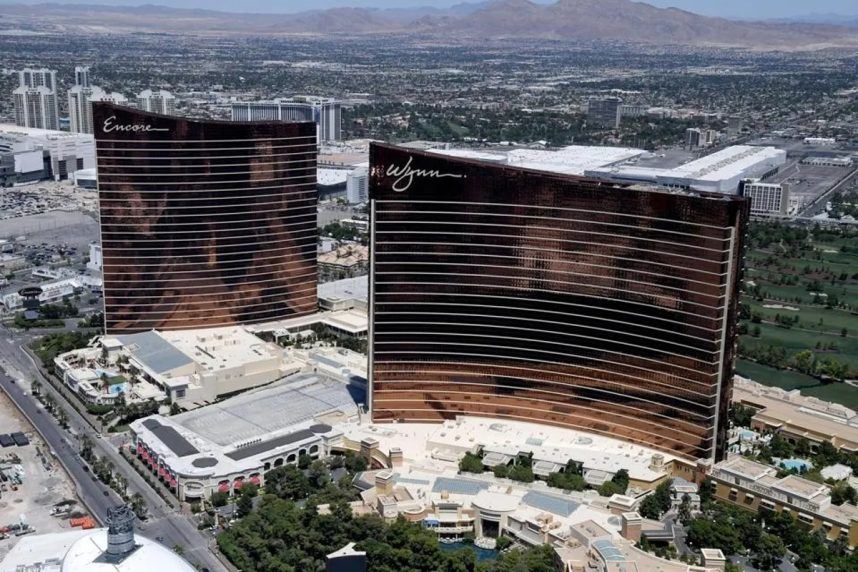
<point x="767" y="199"/>
<point x="754" y="486"/>
<point x="795" y="416"/>
<point x="345" y="262"/>
<point x="190" y="367"/>
<point x="222" y="447"/>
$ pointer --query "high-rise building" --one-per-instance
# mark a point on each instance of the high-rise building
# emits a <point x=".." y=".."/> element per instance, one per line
<point x="503" y="292"/>
<point x="81" y="76"/>
<point x="326" y="113"/>
<point x="36" y="107"/>
<point x="37" y="77"/>
<point x="694" y="138"/>
<point x="605" y="111"/>
<point x="80" y="102"/>
<point x="204" y="223"/>
<point x="357" y="186"/>
<point x="160" y="101"/>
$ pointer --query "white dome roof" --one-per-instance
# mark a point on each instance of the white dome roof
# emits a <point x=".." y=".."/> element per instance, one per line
<point x="84" y="556"/>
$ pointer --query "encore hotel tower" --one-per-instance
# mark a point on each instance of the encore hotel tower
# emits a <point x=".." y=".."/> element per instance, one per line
<point x="521" y="295"/>
<point x="204" y="223"/>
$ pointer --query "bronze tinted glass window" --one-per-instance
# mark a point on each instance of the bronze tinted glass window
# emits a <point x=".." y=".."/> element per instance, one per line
<point x="523" y="295"/>
<point x="204" y="223"/>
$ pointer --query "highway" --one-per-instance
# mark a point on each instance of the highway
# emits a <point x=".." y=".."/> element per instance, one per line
<point x="164" y="523"/>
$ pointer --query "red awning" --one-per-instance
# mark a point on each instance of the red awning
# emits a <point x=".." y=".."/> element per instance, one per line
<point x="223" y="487"/>
<point x="255" y="480"/>
<point x="239" y="482"/>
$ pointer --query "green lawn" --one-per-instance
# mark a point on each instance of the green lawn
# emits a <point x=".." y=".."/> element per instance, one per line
<point x="795" y="341"/>
<point x="789" y="380"/>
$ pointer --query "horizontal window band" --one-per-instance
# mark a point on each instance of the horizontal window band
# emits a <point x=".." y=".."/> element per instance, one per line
<point x="227" y="263"/>
<point x="411" y="202"/>
<point x="184" y="173"/>
<point x="165" y="282"/>
<point x="213" y="220"/>
<point x="533" y="236"/>
<point x="478" y="248"/>
<point x="379" y="319"/>
<point x="378" y="361"/>
<point x="166" y="285"/>
<point x="384" y="254"/>
<point x="101" y="181"/>
<point x="165" y="200"/>
<point x="434" y="295"/>
<point x="308" y="248"/>
<point x="149" y="166"/>
<point x="378" y="348"/>
<point x="109" y="247"/>
<point x="379" y="330"/>
<point x="206" y="140"/>
<point x="515" y="215"/>
<point x="288" y="294"/>
<point x="271" y="305"/>
<point x="124" y="230"/>
<point x="676" y="300"/>
<point x="543" y="271"/>
<point x="248" y="188"/>
<point x="380" y="376"/>
<point x="378" y="312"/>
<point x="188" y="324"/>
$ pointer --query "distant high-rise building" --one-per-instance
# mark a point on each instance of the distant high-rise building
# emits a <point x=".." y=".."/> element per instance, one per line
<point x="160" y="101"/>
<point x="81" y="76"/>
<point x="693" y="138"/>
<point x="503" y="292"/>
<point x="357" y="186"/>
<point x="605" y="111"/>
<point x="80" y="101"/>
<point x="204" y="223"/>
<point x="633" y="110"/>
<point x="36" y="107"/>
<point x="326" y="113"/>
<point x="37" y="77"/>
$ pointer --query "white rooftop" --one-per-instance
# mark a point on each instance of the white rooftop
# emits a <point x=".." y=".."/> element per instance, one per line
<point x="219" y="348"/>
<point x="328" y="177"/>
<point x="450" y="440"/>
<point x="571" y="160"/>
<point x="79" y="551"/>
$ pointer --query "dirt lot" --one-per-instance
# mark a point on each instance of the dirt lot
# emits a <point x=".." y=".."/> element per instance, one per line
<point x="44" y="482"/>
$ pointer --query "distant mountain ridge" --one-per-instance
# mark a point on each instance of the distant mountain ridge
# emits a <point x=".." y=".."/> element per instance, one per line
<point x="620" y="20"/>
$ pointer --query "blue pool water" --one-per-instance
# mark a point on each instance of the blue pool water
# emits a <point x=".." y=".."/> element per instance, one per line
<point x="482" y="553"/>
<point x="797" y="464"/>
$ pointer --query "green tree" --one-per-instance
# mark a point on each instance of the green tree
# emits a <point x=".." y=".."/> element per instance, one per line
<point x="471" y="463"/>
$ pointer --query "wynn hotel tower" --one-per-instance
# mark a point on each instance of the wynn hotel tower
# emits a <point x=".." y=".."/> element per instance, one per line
<point x="204" y="223"/>
<point x="523" y="295"/>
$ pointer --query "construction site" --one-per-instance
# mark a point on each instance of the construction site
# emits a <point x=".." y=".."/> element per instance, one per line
<point x="36" y="495"/>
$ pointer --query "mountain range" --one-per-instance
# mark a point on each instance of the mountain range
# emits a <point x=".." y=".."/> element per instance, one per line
<point x="613" y="20"/>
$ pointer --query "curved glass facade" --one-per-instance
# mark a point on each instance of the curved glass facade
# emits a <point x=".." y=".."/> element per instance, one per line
<point x="204" y="223"/>
<point x="516" y="294"/>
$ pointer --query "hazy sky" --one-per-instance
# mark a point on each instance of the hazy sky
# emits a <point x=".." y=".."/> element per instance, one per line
<point x="727" y="8"/>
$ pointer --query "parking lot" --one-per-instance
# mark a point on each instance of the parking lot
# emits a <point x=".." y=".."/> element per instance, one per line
<point x="32" y="483"/>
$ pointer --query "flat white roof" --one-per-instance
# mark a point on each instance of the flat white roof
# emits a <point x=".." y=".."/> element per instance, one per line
<point x="572" y="160"/>
<point x="328" y="177"/>
<point x="220" y="348"/>
<point x="728" y="163"/>
<point x="451" y="439"/>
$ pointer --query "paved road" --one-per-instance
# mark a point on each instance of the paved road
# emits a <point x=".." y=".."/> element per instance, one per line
<point x="164" y="522"/>
<point x="91" y="492"/>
